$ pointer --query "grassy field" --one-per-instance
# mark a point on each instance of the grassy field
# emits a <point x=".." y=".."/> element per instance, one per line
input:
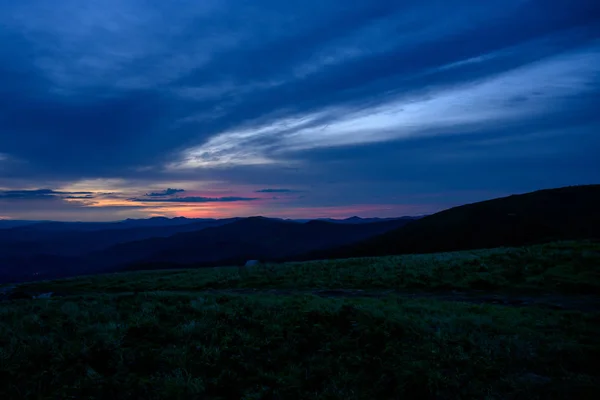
<point x="174" y="340"/>
<point x="564" y="267"/>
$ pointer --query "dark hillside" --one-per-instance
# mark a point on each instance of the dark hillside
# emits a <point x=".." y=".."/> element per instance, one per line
<point x="555" y="214"/>
<point x="249" y="238"/>
<point x="66" y="239"/>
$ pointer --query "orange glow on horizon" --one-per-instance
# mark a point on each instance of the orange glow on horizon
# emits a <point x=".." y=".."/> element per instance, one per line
<point x="269" y="204"/>
<point x="245" y="210"/>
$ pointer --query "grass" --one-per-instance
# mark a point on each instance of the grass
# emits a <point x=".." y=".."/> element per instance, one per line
<point x="565" y="267"/>
<point x="155" y="346"/>
<point x="167" y="342"/>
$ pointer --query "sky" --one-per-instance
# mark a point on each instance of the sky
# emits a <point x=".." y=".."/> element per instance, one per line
<point x="114" y="109"/>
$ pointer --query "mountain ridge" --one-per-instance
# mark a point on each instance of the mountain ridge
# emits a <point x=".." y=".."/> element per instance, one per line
<point x="565" y="213"/>
<point x="535" y="217"/>
<point x="43" y="254"/>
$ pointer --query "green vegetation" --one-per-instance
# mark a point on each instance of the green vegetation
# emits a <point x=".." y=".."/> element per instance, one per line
<point x="172" y="340"/>
<point x="225" y="347"/>
<point x="565" y="267"/>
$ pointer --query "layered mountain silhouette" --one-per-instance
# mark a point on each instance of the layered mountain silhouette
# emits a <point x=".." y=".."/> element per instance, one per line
<point x="43" y="250"/>
<point x="250" y="238"/>
<point x="78" y="238"/>
<point x="545" y="215"/>
<point x="56" y="249"/>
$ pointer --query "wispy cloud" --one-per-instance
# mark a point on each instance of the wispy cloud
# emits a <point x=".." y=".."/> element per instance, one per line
<point x="522" y="93"/>
<point x="361" y="104"/>
<point x="196" y="199"/>
<point x="276" y="191"/>
<point x="41" y="194"/>
<point x="84" y="197"/>
<point x="166" y="192"/>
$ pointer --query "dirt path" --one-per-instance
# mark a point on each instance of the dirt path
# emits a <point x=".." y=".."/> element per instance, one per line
<point x="552" y="301"/>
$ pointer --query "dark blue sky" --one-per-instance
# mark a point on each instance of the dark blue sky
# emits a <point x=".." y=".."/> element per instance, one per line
<point x="128" y="108"/>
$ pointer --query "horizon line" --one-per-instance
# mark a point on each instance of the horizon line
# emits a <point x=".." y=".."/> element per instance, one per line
<point x="211" y="218"/>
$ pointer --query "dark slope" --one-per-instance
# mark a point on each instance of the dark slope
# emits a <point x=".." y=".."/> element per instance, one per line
<point x="66" y="239"/>
<point x="355" y="220"/>
<point x="14" y="223"/>
<point x="37" y="267"/>
<point x="555" y="214"/>
<point x="63" y="226"/>
<point x="255" y="237"/>
<point x="32" y="254"/>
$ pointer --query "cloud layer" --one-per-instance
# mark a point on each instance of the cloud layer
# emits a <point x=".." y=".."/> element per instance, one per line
<point x="196" y="199"/>
<point x="41" y="194"/>
<point x="376" y="105"/>
<point x="166" y="192"/>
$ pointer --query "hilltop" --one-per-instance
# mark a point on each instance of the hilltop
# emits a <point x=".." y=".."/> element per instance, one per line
<point x="58" y="249"/>
<point x="537" y="217"/>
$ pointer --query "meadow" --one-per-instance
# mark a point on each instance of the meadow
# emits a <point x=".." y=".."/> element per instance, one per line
<point x="204" y="333"/>
<point x="560" y="267"/>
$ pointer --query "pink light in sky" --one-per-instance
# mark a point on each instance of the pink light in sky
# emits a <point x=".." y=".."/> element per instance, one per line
<point x="244" y="209"/>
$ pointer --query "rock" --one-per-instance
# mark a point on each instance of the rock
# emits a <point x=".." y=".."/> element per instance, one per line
<point x="43" y="296"/>
<point x="251" y="263"/>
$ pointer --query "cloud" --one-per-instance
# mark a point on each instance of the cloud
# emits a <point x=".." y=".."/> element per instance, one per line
<point x="41" y="194"/>
<point x="87" y="196"/>
<point x="196" y="199"/>
<point x="542" y="88"/>
<point x="276" y="191"/>
<point x="166" y="192"/>
<point x="360" y="104"/>
<point x="106" y="72"/>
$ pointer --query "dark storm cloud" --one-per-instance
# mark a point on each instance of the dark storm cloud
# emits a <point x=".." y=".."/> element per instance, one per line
<point x="166" y="192"/>
<point x="195" y="199"/>
<point x="41" y="194"/>
<point x="87" y="196"/>
<point x="276" y="191"/>
<point x="276" y="93"/>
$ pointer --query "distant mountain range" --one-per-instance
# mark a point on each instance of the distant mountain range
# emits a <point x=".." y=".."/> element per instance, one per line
<point x="354" y="220"/>
<point x="545" y="215"/>
<point x="249" y="238"/>
<point x="43" y="250"/>
<point x="75" y="238"/>
<point x="13" y="223"/>
<point x="47" y="249"/>
<point x="56" y="226"/>
<point x="160" y="221"/>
